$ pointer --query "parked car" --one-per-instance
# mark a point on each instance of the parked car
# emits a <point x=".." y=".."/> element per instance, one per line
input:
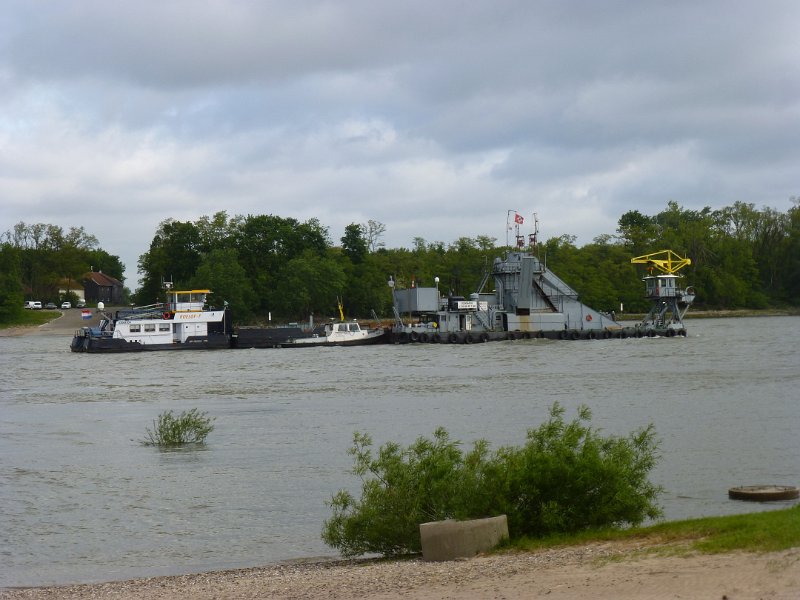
<point x="66" y="305"/>
<point x="50" y="306"/>
<point x="33" y="304"/>
<point x="81" y="304"/>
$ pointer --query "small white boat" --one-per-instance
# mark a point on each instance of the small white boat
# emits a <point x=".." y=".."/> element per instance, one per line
<point x="346" y="333"/>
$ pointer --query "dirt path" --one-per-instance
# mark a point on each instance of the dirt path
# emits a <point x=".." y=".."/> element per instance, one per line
<point x="65" y="324"/>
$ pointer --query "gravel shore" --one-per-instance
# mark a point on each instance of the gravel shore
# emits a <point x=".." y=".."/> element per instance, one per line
<point x="594" y="572"/>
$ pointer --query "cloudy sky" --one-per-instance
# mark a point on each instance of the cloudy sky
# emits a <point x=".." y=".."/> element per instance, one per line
<point x="432" y="117"/>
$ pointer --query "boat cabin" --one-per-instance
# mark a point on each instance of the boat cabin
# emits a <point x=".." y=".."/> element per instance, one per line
<point x="186" y="301"/>
<point x="661" y="286"/>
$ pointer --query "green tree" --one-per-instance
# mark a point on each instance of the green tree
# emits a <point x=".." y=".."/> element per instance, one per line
<point x="637" y="232"/>
<point x="174" y="255"/>
<point x="311" y="285"/>
<point x="221" y="272"/>
<point x="11" y="296"/>
<point x="354" y="243"/>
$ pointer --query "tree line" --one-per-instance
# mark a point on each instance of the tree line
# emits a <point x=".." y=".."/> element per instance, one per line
<point x="40" y="261"/>
<point x="267" y="266"/>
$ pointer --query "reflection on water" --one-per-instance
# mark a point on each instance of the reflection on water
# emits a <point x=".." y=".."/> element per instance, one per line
<point x="84" y="500"/>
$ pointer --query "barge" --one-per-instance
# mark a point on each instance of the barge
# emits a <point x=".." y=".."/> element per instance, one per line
<point x="530" y="301"/>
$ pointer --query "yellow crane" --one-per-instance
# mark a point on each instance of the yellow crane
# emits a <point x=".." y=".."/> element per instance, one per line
<point x="665" y="261"/>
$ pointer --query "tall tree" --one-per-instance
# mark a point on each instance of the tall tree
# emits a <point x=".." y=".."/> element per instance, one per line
<point x="11" y="296"/>
<point x="174" y="255"/>
<point x="354" y="244"/>
<point x="220" y="271"/>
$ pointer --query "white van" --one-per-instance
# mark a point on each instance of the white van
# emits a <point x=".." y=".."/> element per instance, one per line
<point x="33" y="304"/>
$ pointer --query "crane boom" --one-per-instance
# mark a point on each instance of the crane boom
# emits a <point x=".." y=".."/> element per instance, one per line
<point x="665" y="261"/>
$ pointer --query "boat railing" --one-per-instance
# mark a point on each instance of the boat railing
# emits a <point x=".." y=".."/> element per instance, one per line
<point x="150" y="311"/>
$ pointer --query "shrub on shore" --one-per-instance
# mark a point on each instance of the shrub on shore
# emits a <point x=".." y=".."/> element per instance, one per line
<point x="565" y="478"/>
<point x="189" y="427"/>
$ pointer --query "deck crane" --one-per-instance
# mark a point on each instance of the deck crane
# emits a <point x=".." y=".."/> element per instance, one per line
<point x="665" y="261"/>
<point x="670" y="302"/>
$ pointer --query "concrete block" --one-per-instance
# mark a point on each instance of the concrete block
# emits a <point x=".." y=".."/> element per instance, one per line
<point x="448" y="540"/>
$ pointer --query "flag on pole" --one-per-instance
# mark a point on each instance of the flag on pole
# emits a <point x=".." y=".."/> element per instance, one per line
<point x="518" y="219"/>
<point x="86" y="315"/>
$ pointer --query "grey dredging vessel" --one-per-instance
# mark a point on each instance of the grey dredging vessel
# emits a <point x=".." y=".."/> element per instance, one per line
<point x="530" y="301"/>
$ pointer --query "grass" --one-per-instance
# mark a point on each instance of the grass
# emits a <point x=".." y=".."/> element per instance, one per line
<point x="769" y="531"/>
<point x="32" y="318"/>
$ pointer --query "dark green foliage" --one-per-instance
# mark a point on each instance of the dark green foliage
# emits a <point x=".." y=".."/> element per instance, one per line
<point x="221" y="272"/>
<point x="40" y="260"/>
<point x="565" y="478"/>
<point x="169" y="431"/>
<point x="11" y="296"/>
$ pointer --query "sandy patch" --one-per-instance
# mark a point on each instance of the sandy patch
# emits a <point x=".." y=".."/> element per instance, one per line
<point x="594" y="571"/>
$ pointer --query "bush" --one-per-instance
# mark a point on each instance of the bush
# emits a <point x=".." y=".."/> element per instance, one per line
<point x="565" y="478"/>
<point x="190" y="427"/>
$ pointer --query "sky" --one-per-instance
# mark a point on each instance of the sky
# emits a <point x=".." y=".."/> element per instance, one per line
<point x="433" y="118"/>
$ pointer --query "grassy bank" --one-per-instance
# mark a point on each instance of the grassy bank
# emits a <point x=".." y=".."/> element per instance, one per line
<point x="721" y="313"/>
<point x="769" y="531"/>
<point x="33" y="318"/>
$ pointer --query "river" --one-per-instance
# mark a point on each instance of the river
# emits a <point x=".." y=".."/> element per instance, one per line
<point x="83" y="500"/>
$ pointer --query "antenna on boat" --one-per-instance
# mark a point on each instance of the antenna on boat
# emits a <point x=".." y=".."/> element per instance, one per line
<point x="534" y="237"/>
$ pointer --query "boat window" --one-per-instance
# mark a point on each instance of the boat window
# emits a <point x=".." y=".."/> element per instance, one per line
<point x="136" y="328"/>
<point x="163" y="326"/>
<point x="149" y="326"/>
<point x="354" y="327"/>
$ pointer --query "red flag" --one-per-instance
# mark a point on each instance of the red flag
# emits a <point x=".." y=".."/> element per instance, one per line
<point x="518" y="219"/>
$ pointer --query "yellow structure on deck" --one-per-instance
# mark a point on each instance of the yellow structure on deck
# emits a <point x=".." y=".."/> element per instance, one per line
<point x="665" y="261"/>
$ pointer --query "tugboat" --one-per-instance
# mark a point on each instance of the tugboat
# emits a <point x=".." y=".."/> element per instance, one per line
<point x="184" y="322"/>
<point x="530" y="301"/>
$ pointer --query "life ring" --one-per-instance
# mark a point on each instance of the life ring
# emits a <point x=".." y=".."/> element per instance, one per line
<point x="166" y="315"/>
<point x="452" y="338"/>
<point x="589" y="318"/>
